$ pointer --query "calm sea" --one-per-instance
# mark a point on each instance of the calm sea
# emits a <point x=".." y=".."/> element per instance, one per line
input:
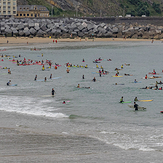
<point x="94" y="112"/>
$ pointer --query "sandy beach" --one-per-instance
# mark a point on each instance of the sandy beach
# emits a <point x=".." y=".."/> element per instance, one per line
<point x="25" y="41"/>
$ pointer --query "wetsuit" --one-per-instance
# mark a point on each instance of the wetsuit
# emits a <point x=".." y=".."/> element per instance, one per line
<point x="136" y="106"/>
<point x="53" y="92"/>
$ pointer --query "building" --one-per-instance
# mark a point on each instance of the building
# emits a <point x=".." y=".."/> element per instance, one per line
<point x="8" y="8"/>
<point x="25" y="11"/>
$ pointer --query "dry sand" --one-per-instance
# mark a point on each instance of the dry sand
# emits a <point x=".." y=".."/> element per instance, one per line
<point x="25" y="41"/>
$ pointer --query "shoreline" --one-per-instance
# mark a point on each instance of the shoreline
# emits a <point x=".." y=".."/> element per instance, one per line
<point x="26" y="41"/>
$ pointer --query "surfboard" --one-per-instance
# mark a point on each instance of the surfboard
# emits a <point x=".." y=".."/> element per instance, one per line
<point x="119" y="84"/>
<point x="125" y="102"/>
<point x="47" y="95"/>
<point x="145" y="100"/>
<point x="57" y="78"/>
<point x="139" y="107"/>
<point x="117" y="76"/>
<point x="136" y="82"/>
<point x="13" y="85"/>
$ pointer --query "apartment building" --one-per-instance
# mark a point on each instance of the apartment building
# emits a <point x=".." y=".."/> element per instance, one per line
<point x="25" y="11"/>
<point x="8" y="8"/>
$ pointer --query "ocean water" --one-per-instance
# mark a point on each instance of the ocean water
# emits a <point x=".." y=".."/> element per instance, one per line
<point x="95" y="112"/>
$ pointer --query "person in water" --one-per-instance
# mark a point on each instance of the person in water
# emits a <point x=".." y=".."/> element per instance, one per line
<point x="9" y="83"/>
<point x="43" y="67"/>
<point x="135" y="99"/>
<point x="94" y="79"/>
<point x="83" y="77"/>
<point x="135" y="106"/>
<point x="9" y="72"/>
<point x="35" y="78"/>
<point x="67" y="70"/>
<point x="135" y="81"/>
<point x="122" y="66"/>
<point x="64" y="102"/>
<point x="53" y="91"/>
<point x="50" y="76"/>
<point x="146" y="76"/>
<point x="45" y="79"/>
<point x="121" y="100"/>
<point x="78" y="86"/>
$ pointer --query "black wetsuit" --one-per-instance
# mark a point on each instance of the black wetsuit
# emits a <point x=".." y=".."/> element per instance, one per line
<point x="136" y="106"/>
<point x="53" y="92"/>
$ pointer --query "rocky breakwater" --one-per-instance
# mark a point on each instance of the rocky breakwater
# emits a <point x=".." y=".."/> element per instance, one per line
<point x="72" y="27"/>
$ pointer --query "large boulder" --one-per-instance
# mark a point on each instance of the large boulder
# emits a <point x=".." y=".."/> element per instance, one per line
<point x="32" y="31"/>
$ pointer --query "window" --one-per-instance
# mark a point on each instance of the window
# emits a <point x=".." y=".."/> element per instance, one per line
<point x="4" y="7"/>
<point x="24" y="8"/>
<point x="20" y="8"/>
<point x="14" y="3"/>
<point x="27" y="14"/>
<point x="9" y="3"/>
<point x="27" y="8"/>
<point x="23" y="14"/>
<point x="13" y="7"/>
<point x="4" y="12"/>
<point x="31" y="14"/>
<point x="9" y="12"/>
<point x="17" y="15"/>
<point x="9" y="8"/>
<point x="20" y="14"/>
<point x="4" y="3"/>
<point x="14" y="12"/>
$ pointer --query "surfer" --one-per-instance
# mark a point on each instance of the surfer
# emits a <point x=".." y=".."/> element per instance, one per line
<point x="67" y="70"/>
<point x="127" y="74"/>
<point x="53" y="91"/>
<point x="94" y="79"/>
<point x="35" y="78"/>
<point x="146" y="76"/>
<point x="43" y="68"/>
<point x="135" y="106"/>
<point x="135" y="99"/>
<point x="135" y="81"/>
<point x="9" y="72"/>
<point x="121" y="100"/>
<point x="9" y="83"/>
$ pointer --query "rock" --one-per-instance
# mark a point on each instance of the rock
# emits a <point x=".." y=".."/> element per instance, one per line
<point x="32" y="31"/>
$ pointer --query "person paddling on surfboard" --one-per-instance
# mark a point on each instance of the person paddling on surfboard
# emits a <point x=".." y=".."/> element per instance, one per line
<point x="121" y="100"/>
<point x="135" y="99"/>
<point x="135" y="106"/>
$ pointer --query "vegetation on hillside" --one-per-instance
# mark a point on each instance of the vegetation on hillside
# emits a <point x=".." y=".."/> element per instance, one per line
<point x="102" y="7"/>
